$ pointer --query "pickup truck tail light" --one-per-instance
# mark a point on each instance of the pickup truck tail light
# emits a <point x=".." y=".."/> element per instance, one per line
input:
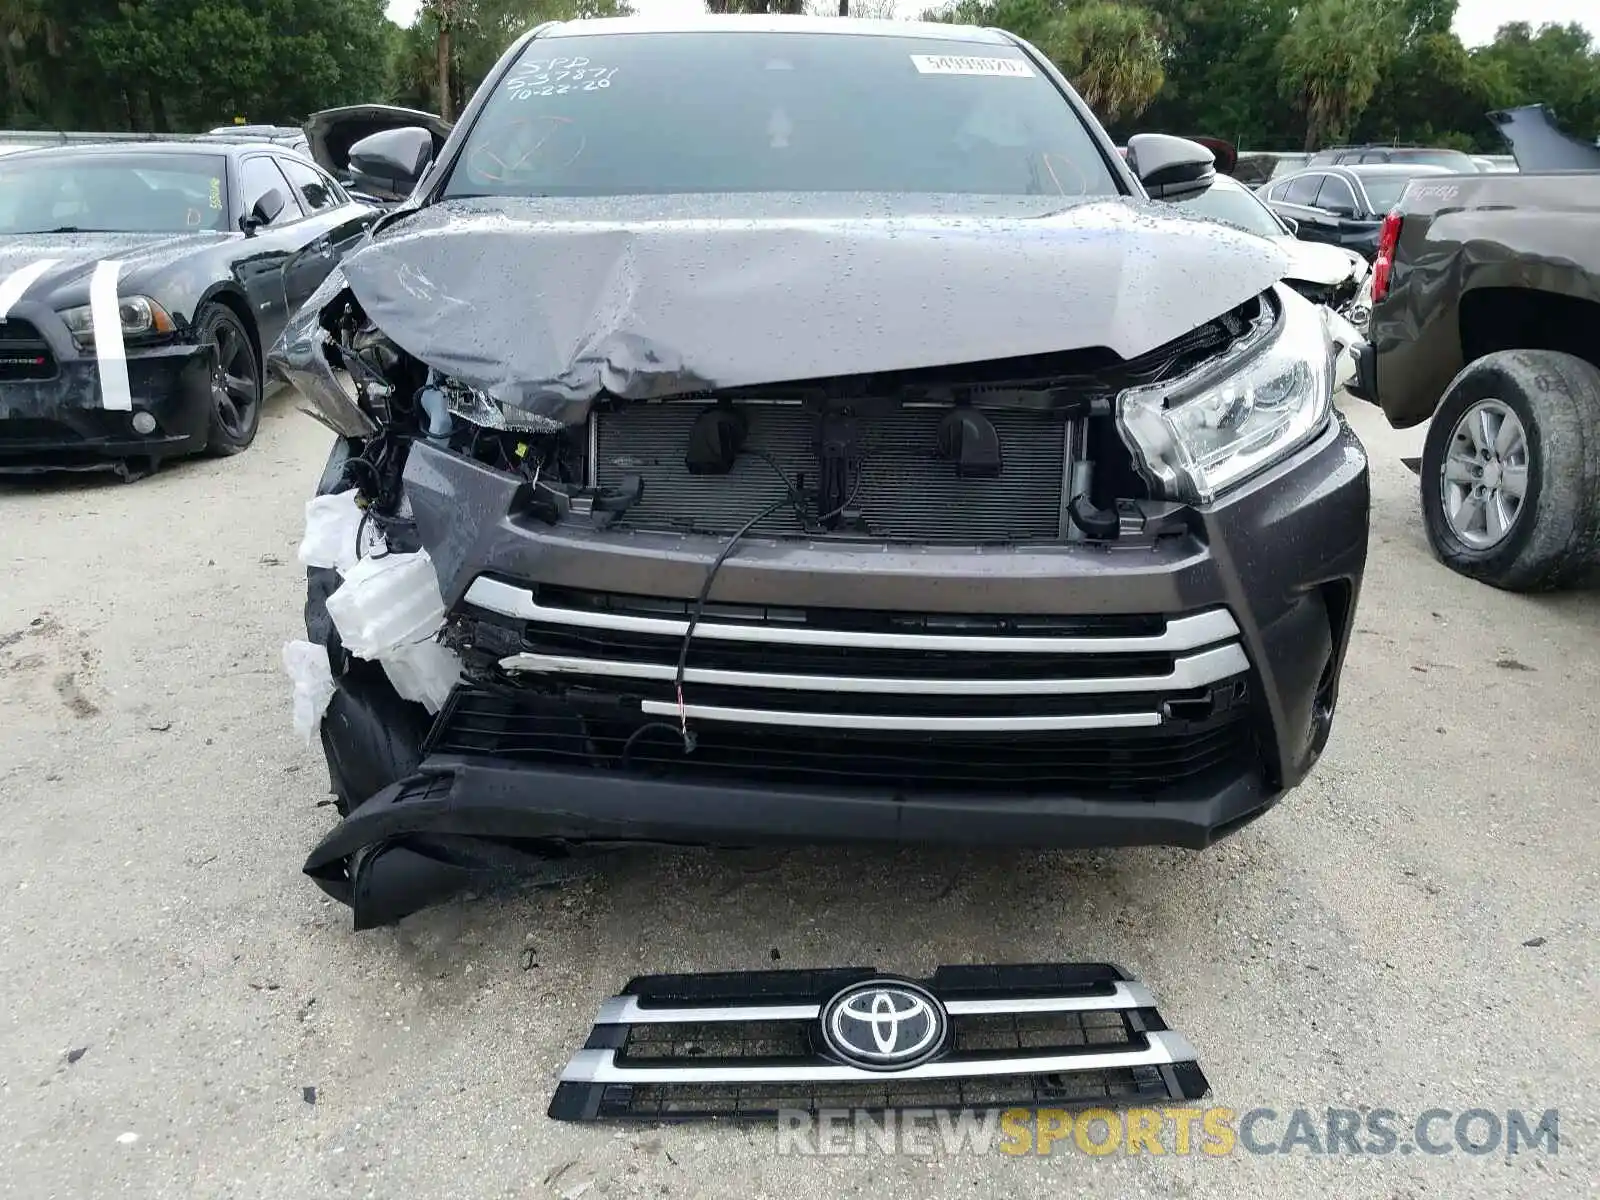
<point x="1388" y="236"/>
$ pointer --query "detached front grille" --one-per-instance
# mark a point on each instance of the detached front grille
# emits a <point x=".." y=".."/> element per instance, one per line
<point x="24" y="354"/>
<point x="1112" y="706"/>
<point x="752" y="1045"/>
<point x="905" y="492"/>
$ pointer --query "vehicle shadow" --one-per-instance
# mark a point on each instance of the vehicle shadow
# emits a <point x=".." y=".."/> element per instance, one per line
<point x="901" y="910"/>
<point x="278" y="402"/>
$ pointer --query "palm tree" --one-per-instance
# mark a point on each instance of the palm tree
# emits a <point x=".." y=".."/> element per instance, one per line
<point x="446" y="15"/>
<point x="1331" y="61"/>
<point x="1112" y="55"/>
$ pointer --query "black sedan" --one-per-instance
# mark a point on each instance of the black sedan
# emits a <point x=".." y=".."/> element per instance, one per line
<point x="1344" y="206"/>
<point x="139" y="287"/>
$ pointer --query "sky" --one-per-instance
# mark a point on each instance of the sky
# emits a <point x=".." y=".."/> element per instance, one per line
<point x="1476" y="20"/>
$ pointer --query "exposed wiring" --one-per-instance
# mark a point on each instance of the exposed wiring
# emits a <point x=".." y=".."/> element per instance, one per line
<point x="798" y="499"/>
<point x="699" y="607"/>
<point x="633" y="739"/>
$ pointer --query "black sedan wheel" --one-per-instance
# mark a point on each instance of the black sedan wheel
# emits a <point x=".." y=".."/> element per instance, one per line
<point x="235" y="380"/>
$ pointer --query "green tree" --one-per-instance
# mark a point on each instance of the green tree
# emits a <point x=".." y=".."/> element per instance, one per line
<point x="1331" y="61"/>
<point x="481" y="32"/>
<point x="1221" y="72"/>
<point x="1112" y="55"/>
<point x="791" y="7"/>
<point x="1112" y="52"/>
<point x="1434" y="94"/>
<point x="1555" y="65"/>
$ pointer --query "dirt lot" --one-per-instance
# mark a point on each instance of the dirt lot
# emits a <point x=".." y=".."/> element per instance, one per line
<point x="1415" y="928"/>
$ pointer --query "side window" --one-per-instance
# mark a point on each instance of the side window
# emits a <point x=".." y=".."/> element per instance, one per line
<point x="259" y="176"/>
<point x="1303" y="190"/>
<point x="1336" y="196"/>
<point x="314" y="189"/>
<point x="1375" y="156"/>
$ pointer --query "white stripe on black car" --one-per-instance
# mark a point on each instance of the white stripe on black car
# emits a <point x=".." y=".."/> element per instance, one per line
<point x="108" y="347"/>
<point x="16" y="284"/>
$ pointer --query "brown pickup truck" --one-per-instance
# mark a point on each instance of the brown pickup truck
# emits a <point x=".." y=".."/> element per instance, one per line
<point x="1486" y="319"/>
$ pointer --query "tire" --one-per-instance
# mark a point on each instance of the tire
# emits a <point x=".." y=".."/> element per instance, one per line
<point x="1552" y="537"/>
<point x="236" y="384"/>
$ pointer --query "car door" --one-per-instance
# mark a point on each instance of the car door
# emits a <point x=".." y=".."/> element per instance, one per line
<point x="333" y="226"/>
<point x="259" y="269"/>
<point x="1348" y="223"/>
<point x="1293" y="198"/>
<point x="1317" y="224"/>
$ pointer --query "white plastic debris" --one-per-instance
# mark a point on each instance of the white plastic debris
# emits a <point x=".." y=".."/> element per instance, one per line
<point x="387" y="601"/>
<point x="423" y="671"/>
<point x="308" y="668"/>
<point x="335" y="536"/>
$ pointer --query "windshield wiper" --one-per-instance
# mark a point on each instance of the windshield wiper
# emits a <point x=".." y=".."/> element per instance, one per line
<point x="65" y="229"/>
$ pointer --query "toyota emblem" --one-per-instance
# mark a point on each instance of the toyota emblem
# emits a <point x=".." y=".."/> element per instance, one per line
<point x="884" y="1025"/>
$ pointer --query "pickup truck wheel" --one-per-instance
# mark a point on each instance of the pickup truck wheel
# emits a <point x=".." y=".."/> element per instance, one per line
<point x="1511" y="471"/>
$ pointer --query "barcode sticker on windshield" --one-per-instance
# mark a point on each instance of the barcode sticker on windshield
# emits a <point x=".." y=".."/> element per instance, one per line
<point x="957" y="64"/>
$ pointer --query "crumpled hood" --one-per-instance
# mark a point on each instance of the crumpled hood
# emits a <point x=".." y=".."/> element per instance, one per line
<point x="546" y="306"/>
<point x="73" y="257"/>
<point x="1319" y="263"/>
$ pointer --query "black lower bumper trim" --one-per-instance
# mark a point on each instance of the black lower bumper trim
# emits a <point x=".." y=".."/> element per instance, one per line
<point x="467" y="815"/>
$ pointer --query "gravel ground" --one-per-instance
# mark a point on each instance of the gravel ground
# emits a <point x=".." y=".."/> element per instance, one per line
<point x="1414" y="928"/>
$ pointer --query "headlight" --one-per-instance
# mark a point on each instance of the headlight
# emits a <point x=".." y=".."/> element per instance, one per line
<point x="481" y="409"/>
<point x="1194" y="437"/>
<point x="139" y="315"/>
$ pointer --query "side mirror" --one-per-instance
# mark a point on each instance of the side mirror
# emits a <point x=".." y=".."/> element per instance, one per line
<point x="388" y="164"/>
<point x="266" y="210"/>
<point x="1338" y="210"/>
<point x="1290" y="224"/>
<point x="1171" y="168"/>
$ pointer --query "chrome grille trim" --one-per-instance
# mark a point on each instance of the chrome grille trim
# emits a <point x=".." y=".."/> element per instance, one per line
<point x="600" y="1066"/>
<point x="1192" y="671"/>
<point x="762" y="1044"/>
<point x="626" y="1010"/>
<point x="918" y="724"/>
<point x="1182" y="633"/>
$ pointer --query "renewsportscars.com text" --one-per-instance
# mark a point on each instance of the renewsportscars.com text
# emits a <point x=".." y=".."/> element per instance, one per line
<point x="1205" y="1132"/>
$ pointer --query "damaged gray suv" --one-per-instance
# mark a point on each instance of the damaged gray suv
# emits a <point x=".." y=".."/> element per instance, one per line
<point x="811" y="430"/>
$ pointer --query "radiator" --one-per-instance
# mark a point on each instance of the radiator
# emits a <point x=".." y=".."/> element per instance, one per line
<point x="905" y="493"/>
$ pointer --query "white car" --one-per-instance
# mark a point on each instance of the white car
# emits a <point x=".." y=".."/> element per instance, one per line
<point x="1324" y="274"/>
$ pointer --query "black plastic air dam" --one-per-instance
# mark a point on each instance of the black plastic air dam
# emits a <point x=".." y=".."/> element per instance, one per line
<point x="752" y="1046"/>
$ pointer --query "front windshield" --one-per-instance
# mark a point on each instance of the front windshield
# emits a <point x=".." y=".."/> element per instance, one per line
<point x="112" y="193"/>
<point x="1232" y="205"/>
<point x="664" y="113"/>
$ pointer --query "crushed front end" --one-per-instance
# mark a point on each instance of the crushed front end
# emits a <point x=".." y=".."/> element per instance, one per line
<point x="1073" y="599"/>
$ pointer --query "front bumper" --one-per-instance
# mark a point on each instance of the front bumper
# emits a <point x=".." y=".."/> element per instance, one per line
<point x="53" y="418"/>
<point x="1279" y="562"/>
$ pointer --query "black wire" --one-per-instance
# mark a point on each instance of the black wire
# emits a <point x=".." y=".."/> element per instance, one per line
<point x="699" y="608"/>
<point x="633" y="739"/>
<point x="798" y="499"/>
